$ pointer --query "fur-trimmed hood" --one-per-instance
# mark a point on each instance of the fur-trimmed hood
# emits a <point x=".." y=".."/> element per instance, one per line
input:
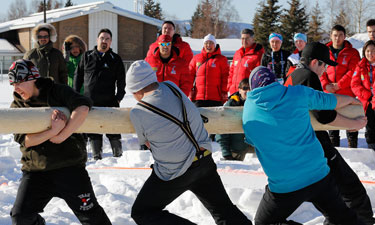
<point x="76" y="39"/>
<point x="50" y="27"/>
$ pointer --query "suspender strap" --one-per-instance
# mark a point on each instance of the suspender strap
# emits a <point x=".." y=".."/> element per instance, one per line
<point x="183" y="125"/>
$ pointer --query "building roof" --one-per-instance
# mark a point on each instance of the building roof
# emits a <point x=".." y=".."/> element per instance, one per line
<point x="57" y="15"/>
<point x="7" y="49"/>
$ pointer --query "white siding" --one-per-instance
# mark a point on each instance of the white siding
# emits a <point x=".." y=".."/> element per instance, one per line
<point x="100" y="20"/>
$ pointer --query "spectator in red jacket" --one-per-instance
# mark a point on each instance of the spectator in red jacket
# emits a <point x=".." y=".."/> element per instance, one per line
<point x="338" y="79"/>
<point x="168" y="66"/>
<point x="185" y="52"/>
<point x="363" y="85"/>
<point x="244" y="60"/>
<point x="210" y="71"/>
<point x="300" y="41"/>
<point x="370" y="26"/>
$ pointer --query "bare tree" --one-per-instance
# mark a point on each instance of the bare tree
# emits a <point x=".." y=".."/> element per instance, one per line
<point x="17" y="9"/>
<point x="362" y="10"/>
<point x="332" y="12"/>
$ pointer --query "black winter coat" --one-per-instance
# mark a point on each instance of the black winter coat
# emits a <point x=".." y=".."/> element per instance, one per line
<point x="279" y="63"/>
<point x="47" y="155"/>
<point x="103" y="77"/>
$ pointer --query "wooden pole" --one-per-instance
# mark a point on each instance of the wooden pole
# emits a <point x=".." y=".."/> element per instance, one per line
<point x="222" y="120"/>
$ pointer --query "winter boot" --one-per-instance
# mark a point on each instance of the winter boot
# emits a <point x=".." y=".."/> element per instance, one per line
<point x="335" y="141"/>
<point x="96" y="147"/>
<point x="353" y="142"/>
<point x="116" y="147"/>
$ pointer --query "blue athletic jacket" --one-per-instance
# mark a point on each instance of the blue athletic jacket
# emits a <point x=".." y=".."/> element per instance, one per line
<point x="276" y="121"/>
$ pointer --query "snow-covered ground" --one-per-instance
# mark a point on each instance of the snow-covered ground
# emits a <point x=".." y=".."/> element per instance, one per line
<point x="117" y="181"/>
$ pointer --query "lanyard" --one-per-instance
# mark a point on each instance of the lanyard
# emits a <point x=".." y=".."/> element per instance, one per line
<point x="281" y="62"/>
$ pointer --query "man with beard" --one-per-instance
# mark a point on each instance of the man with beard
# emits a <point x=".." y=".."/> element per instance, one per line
<point x="102" y="74"/>
<point x="49" y="60"/>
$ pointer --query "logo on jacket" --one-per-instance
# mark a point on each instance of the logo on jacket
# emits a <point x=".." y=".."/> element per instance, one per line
<point x="173" y="71"/>
<point x="344" y="61"/>
<point x="213" y="64"/>
<point x="105" y="65"/>
<point x="198" y="64"/>
<point x="246" y="65"/>
<point x="154" y="68"/>
<point x="86" y="202"/>
<point x="235" y="63"/>
<point x="362" y="77"/>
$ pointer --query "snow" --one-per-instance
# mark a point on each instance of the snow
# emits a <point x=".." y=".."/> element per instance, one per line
<point x="117" y="181"/>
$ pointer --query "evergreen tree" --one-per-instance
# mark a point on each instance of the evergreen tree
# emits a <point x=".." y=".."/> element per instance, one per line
<point x="153" y="9"/>
<point x="50" y="4"/>
<point x="266" y="21"/>
<point x="68" y="3"/>
<point x="293" y="21"/>
<point x="315" y="31"/>
<point x="213" y="16"/>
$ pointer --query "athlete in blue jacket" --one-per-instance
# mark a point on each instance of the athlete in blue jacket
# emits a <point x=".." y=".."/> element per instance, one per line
<point x="292" y="156"/>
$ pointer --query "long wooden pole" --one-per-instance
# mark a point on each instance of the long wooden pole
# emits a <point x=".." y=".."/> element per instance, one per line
<point x="222" y="120"/>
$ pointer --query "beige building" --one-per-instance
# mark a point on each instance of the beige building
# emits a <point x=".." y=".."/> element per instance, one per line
<point x="132" y="32"/>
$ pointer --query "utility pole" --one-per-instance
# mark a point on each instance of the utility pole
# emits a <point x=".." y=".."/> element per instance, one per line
<point x="44" y="10"/>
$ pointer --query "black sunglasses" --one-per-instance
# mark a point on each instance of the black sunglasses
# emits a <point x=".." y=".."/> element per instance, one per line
<point x="245" y="88"/>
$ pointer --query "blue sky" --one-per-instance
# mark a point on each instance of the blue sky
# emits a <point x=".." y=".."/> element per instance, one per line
<point x="179" y="9"/>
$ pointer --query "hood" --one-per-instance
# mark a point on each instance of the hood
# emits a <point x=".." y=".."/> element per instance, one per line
<point x="251" y="50"/>
<point x="78" y="40"/>
<point x="268" y="97"/>
<point x="51" y="28"/>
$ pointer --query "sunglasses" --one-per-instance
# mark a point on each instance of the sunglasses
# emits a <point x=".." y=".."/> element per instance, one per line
<point x="245" y="88"/>
<point x="165" y="44"/>
<point x="43" y="37"/>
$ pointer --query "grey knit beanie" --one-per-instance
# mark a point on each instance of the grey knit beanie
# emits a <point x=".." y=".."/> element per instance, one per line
<point x="139" y="76"/>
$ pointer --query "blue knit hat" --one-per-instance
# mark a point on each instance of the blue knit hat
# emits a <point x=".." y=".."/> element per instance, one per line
<point x="300" y="36"/>
<point x="275" y="35"/>
<point x="261" y="76"/>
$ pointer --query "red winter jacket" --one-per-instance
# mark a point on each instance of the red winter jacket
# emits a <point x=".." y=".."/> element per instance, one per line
<point x="244" y="61"/>
<point x="341" y="74"/>
<point x="175" y="70"/>
<point x="361" y="85"/>
<point x="183" y="47"/>
<point x="212" y="75"/>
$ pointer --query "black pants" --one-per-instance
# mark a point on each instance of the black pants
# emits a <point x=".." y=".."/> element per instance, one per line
<point x="203" y="180"/>
<point x="350" y="187"/>
<point x="351" y="136"/>
<point x="71" y="184"/>
<point x="100" y="136"/>
<point x="370" y="126"/>
<point x="275" y="208"/>
<point x="207" y="103"/>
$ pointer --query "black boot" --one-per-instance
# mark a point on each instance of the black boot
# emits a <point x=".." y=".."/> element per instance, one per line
<point x="352" y="142"/>
<point x="352" y="139"/>
<point x="335" y="141"/>
<point x="96" y="147"/>
<point x="116" y="147"/>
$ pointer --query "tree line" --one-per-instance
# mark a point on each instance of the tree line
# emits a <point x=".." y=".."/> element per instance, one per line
<point x="214" y="16"/>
